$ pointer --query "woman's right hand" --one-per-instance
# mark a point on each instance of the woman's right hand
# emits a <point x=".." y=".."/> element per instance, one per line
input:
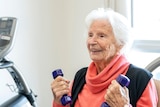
<point x="59" y="86"/>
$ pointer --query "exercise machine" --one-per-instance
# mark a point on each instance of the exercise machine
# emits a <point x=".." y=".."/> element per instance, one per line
<point x="14" y="91"/>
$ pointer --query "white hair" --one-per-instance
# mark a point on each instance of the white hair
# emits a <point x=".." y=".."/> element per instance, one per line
<point x="120" y="25"/>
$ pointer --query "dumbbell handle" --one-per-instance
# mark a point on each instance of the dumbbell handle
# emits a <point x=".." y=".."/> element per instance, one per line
<point x="65" y="99"/>
<point x="123" y="81"/>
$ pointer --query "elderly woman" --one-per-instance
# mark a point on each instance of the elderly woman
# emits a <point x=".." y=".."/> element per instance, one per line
<point x="108" y="34"/>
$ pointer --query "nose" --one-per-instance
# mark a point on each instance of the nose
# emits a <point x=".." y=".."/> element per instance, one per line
<point x="92" y="40"/>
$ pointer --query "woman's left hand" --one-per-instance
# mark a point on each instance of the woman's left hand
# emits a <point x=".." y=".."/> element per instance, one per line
<point x="116" y="95"/>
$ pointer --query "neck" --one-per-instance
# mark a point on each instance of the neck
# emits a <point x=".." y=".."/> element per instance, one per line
<point x="100" y="65"/>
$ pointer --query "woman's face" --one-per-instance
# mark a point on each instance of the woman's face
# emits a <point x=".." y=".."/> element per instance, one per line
<point x="101" y="43"/>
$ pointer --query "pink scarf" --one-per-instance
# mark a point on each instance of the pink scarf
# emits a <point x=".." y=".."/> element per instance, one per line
<point x="97" y="83"/>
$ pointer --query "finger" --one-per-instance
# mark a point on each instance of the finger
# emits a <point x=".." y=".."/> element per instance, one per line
<point x="126" y="92"/>
<point x="60" y="78"/>
<point x="114" y="87"/>
<point x="60" y="86"/>
<point x="109" y="98"/>
<point x="113" y="92"/>
<point x="60" y="81"/>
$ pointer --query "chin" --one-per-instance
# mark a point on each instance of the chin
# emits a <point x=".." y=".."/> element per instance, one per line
<point x="96" y="59"/>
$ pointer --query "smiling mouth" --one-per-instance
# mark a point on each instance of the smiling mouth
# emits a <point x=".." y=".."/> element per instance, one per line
<point x="95" y="51"/>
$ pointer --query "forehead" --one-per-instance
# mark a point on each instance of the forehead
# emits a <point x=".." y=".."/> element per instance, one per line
<point x="102" y="24"/>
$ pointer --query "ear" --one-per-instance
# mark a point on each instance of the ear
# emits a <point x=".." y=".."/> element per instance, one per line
<point x="120" y="47"/>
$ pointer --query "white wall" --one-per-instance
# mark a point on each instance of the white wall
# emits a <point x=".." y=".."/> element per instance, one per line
<point x="49" y="36"/>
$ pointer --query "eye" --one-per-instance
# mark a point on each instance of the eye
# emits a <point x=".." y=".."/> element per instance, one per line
<point x="102" y="35"/>
<point x="90" y="35"/>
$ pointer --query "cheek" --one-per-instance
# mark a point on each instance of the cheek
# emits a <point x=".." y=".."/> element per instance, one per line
<point x="106" y="46"/>
<point x="109" y="46"/>
<point x="112" y="50"/>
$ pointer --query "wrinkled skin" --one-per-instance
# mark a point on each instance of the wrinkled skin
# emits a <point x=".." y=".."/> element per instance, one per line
<point x="102" y="47"/>
<point x="59" y="86"/>
<point x="117" y="96"/>
<point x="101" y="43"/>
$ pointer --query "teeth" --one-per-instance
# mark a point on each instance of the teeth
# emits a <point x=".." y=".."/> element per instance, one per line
<point x="95" y="50"/>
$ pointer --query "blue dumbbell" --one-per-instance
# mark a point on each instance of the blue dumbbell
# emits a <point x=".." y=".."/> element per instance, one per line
<point x="123" y="81"/>
<point x="65" y="99"/>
